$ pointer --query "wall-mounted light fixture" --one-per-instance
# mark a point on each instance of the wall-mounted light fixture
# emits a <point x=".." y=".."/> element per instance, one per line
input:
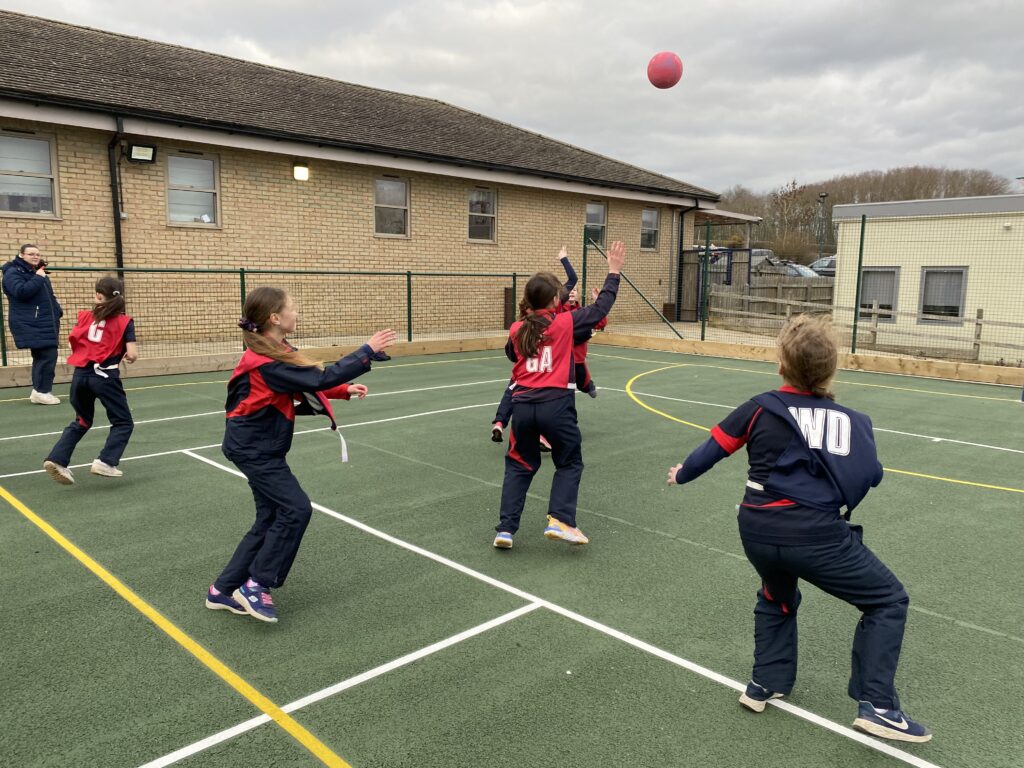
<point x="141" y="153"/>
<point x="300" y="171"/>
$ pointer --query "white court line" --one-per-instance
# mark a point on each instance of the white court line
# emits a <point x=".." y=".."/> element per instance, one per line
<point x="675" y="537"/>
<point x="221" y="412"/>
<point x="107" y="426"/>
<point x="679" y="661"/>
<point x="297" y="432"/>
<point x="401" y="661"/>
<point x="933" y="438"/>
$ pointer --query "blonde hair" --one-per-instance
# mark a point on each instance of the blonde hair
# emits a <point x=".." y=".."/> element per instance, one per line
<point x="808" y="353"/>
<point x="260" y="304"/>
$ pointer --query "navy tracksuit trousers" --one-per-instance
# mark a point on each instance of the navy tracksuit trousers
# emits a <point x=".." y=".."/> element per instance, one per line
<point x="86" y="388"/>
<point x="44" y="368"/>
<point x="556" y="420"/>
<point x="844" y="568"/>
<point x="283" y="510"/>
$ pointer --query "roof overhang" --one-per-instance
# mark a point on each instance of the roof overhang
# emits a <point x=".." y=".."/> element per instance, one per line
<point x="719" y="216"/>
<point x="176" y="130"/>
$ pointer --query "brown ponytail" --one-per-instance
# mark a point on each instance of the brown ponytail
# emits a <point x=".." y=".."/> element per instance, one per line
<point x="538" y="294"/>
<point x="112" y="290"/>
<point x="259" y="305"/>
<point x="808" y="354"/>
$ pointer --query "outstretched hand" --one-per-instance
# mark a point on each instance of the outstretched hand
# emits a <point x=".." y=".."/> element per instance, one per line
<point x="672" y="474"/>
<point x="357" y="390"/>
<point x="563" y="253"/>
<point x="616" y="257"/>
<point x="382" y="340"/>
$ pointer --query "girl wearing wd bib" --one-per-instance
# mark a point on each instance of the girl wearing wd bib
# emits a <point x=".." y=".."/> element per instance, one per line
<point x="100" y="339"/>
<point x="540" y="346"/>
<point x="273" y="383"/>
<point x="809" y="458"/>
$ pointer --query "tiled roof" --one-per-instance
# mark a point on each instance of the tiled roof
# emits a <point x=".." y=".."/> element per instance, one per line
<point x="88" y="68"/>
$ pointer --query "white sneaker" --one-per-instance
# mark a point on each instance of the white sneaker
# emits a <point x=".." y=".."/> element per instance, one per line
<point x="61" y="474"/>
<point x="44" y="398"/>
<point x="102" y="468"/>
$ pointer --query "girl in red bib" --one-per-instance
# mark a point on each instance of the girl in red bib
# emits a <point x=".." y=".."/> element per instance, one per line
<point x="101" y="338"/>
<point x="540" y="346"/>
<point x="272" y="384"/>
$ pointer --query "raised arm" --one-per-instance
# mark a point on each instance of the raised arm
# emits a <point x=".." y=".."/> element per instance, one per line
<point x="584" y="320"/>
<point x="570" y="273"/>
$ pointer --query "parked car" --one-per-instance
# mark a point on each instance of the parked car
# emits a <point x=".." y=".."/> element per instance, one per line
<point x="799" y="270"/>
<point x="825" y="266"/>
<point x="757" y="255"/>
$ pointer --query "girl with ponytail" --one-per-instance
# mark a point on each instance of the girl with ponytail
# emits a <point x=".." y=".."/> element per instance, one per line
<point x="273" y="383"/>
<point x="101" y="338"/>
<point x="566" y="291"/>
<point x="540" y="346"/>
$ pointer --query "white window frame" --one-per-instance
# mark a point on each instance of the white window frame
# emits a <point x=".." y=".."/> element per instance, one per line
<point x="936" y="319"/>
<point x="51" y="139"/>
<point x="189" y="154"/>
<point x="604" y="224"/>
<point x="407" y="208"/>
<point x="865" y="311"/>
<point x="493" y="216"/>
<point x="656" y="230"/>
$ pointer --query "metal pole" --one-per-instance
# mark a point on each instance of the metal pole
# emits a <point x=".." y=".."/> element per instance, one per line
<point x="241" y="287"/>
<point x="640" y="294"/>
<point x="705" y="274"/>
<point x="3" y="333"/>
<point x="856" y="296"/>
<point x="515" y="294"/>
<point x="583" y="270"/>
<point x="408" y="305"/>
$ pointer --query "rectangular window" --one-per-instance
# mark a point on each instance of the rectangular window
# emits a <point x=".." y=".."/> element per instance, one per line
<point x="28" y="177"/>
<point x="595" y="226"/>
<point x="391" y="207"/>
<point x="942" y="294"/>
<point x="192" y="190"/>
<point x="649" y="229"/>
<point x="482" y="214"/>
<point x="879" y="284"/>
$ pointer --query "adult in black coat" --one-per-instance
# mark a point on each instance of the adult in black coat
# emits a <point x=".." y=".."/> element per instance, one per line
<point x="34" y="318"/>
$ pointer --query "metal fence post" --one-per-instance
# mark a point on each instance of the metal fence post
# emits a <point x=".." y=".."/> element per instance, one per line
<point x="241" y="287"/>
<point x="408" y="305"/>
<point x="3" y="333"/>
<point x="856" y="293"/>
<point x="705" y="274"/>
<point x="515" y="293"/>
<point x="583" y="270"/>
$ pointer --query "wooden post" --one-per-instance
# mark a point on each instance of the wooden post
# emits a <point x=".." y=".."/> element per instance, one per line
<point x="977" y="334"/>
<point x="874" y="323"/>
<point x="778" y="297"/>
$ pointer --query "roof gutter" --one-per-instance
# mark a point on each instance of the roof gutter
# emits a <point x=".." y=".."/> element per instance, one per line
<point x="113" y="149"/>
<point x="355" y="146"/>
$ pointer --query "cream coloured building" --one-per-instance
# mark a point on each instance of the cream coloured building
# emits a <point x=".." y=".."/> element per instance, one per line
<point x="947" y="276"/>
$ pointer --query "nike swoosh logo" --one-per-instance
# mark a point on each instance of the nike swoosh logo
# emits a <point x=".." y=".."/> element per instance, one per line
<point x="902" y="724"/>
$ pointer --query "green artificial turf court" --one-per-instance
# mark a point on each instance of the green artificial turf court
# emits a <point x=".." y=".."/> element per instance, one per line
<point x="407" y="640"/>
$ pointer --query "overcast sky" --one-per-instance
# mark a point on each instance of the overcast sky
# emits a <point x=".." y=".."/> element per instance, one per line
<point x="772" y="90"/>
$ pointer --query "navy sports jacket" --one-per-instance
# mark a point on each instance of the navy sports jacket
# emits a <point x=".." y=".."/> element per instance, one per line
<point x="808" y="457"/>
<point x="264" y="396"/>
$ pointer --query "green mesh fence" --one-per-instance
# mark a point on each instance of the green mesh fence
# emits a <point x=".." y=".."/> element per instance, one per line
<point x="195" y="312"/>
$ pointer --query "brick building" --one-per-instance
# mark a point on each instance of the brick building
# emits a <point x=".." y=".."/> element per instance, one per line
<point x="119" y="151"/>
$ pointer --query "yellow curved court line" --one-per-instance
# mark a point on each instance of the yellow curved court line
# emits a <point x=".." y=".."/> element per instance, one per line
<point x="838" y="381"/>
<point x="215" y="665"/>
<point x="642" y="404"/>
